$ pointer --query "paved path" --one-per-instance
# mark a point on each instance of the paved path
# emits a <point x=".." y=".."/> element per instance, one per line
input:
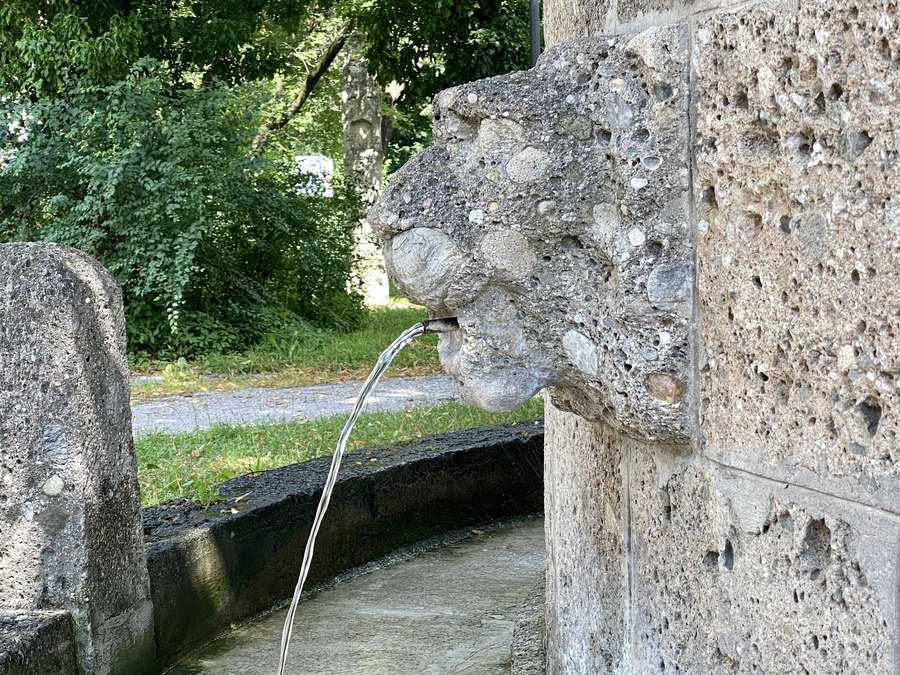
<point x="450" y="610"/>
<point x="247" y="406"/>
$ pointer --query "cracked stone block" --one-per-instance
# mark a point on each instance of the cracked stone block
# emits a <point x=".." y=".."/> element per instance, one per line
<point x="70" y="533"/>
<point x="797" y="186"/>
<point x="551" y="218"/>
<point x="733" y="573"/>
<point x="587" y="595"/>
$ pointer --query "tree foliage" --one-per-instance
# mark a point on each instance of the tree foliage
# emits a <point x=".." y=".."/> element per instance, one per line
<point x="126" y="129"/>
<point x="46" y="45"/>
<point x="155" y="182"/>
<point x="429" y="45"/>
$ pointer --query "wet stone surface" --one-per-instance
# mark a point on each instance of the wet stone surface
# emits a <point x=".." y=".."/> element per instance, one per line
<point x="451" y="609"/>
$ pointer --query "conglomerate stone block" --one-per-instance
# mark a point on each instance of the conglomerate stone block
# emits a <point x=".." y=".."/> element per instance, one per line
<point x="70" y="533"/>
<point x="798" y="190"/>
<point x="551" y="218"/>
<point x="733" y="573"/>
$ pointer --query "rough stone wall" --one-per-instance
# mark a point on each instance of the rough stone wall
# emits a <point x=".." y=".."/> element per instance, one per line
<point x="798" y="191"/>
<point x="70" y="534"/>
<point x="766" y="536"/>
<point x="587" y="546"/>
<point x="363" y="149"/>
<point x="771" y="543"/>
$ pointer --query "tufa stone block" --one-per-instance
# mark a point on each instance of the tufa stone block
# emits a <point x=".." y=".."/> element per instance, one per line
<point x="798" y="172"/>
<point x="733" y="573"/>
<point x="587" y="540"/>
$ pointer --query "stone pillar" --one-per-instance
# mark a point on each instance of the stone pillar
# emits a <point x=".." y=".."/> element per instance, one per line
<point x="70" y="531"/>
<point x="684" y="222"/>
<point x="361" y="99"/>
<point x="770" y="542"/>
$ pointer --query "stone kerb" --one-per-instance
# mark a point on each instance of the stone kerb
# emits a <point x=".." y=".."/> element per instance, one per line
<point x="70" y="535"/>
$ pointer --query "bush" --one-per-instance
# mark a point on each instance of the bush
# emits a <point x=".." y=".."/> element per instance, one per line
<point x="213" y="249"/>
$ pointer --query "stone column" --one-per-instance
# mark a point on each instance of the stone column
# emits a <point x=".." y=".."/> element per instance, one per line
<point x="361" y="99"/>
<point x="686" y="226"/>
<point x="70" y="531"/>
<point x="771" y="541"/>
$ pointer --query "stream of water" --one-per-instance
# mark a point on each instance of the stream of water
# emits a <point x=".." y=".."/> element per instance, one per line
<point x="384" y="361"/>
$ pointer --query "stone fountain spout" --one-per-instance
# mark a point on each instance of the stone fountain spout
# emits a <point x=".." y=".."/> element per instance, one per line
<point x="551" y="218"/>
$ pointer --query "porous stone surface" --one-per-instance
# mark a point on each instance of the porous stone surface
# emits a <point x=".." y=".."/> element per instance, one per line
<point x="528" y="655"/>
<point x="70" y="533"/>
<point x="563" y="21"/>
<point x="733" y="573"/>
<point x="551" y="218"/>
<point x="765" y="538"/>
<point x="36" y="642"/>
<point x="587" y="545"/>
<point x="797" y="185"/>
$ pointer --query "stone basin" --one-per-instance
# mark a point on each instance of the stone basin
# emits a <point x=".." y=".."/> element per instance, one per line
<point x="445" y="607"/>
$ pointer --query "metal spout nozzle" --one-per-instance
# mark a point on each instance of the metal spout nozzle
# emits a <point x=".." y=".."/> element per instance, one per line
<point x="445" y="325"/>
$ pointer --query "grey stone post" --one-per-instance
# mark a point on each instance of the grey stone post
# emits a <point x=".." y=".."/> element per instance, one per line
<point x="70" y="533"/>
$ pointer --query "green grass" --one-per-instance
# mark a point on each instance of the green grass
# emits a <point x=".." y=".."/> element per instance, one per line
<point x="298" y="357"/>
<point x="192" y="465"/>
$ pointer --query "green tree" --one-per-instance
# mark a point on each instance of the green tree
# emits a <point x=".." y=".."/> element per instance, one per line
<point x="130" y="129"/>
<point x="155" y="181"/>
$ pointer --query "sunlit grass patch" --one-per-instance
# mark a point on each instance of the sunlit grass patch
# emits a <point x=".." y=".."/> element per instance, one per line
<point x="193" y="464"/>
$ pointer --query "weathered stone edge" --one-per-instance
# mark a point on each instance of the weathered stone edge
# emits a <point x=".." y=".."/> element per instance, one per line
<point x="528" y="651"/>
<point x="36" y="642"/>
<point x="209" y="568"/>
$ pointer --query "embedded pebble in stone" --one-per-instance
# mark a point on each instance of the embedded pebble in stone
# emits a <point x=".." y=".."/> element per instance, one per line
<point x="892" y="213"/>
<point x="638" y="182"/>
<point x="472" y="97"/>
<point x="423" y="262"/>
<point x="846" y="358"/>
<point x="53" y="486"/>
<point x="546" y="206"/>
<point x="636" y="237"/>
<point x="509" y="253"/>
<point x="582" y="351"/>
<point x="578" y="126"/>
<point x="665" y="387"/>
<point x="528" y="165"/>
<point x="476" y="216"/>
<point x="669" y="284"/>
